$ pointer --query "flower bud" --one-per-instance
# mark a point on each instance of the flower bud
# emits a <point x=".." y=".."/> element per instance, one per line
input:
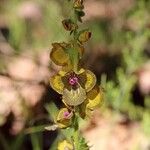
<point x="65" y="145"/>
<point x="64" y="118"/>
<point x="78" y="4"/>
<point x="69" y="25"/>
<point x="84" y="36"/>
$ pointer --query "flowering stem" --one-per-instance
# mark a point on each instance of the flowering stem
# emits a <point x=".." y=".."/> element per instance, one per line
<point x="76" y="133"/>
<point x="75" y="58"/>
<point x="68" y="55"/>
<point x="75" y="33"/>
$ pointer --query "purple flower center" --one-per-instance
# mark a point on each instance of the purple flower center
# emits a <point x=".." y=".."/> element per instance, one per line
<point x="66" y="114"/>
<point x="73" y="80"/>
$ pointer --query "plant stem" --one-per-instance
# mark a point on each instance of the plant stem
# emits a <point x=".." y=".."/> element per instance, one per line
<point x="76" y="133"/>
<point x="75" y="33"/>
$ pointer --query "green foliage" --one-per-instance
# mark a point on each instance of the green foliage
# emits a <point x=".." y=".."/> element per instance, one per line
<point x="119" y="92"/>
<point x="17" y="34"/>
<point x="146" y="122"/>
<point x="36" y="140"/>
<point x="29" y="32"/>
<point x="83" y="144"/>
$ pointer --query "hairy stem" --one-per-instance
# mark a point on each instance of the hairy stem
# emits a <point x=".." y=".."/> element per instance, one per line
<point x="76" y="133"/>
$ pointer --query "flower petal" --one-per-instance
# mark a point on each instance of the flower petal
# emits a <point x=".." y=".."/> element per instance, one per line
<point x="74" y="97"/>
<point x="78" y="4"/>
<point x="67" y="68"/>
<point x="84" y="36"/>
<point x="56" y="83"/>
<point x="81" y="50"/>
<point x="95" y="98"/>
<point x="87" y="79"/>
<point x="82" y="109"/>
<point x="58" y="54"/>
<point x="80" y="70"/>
<point x="64" y="118"/>
<point x="62" y="72"/>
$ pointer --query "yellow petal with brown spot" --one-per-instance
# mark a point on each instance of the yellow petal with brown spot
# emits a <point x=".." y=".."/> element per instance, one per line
<point x="90" y="80"/>
<point x="59" y="56"/>
<point x="57" y="84"/>
<point x="84" y="36"/>
<point x="95" y="98"/>
<point x="68" y="67"/>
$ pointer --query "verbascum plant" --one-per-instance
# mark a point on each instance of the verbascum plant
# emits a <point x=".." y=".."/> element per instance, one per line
<point x="80" y="93"/>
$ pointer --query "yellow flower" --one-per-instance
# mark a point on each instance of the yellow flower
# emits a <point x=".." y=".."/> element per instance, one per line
<point x="64" y="118"/>
<point x="60" y="54"/>
<point x="95" y="98"/>
<point x="65" y="145"/>
<point x="93" y="101"/>
<point x="73" y="85"/>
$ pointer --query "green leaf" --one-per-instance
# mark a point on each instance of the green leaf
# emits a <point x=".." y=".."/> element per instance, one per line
<point x="83" y="144"/>
<point x="36" y="140"/>
<point x="52" y="110"/>
<point x="35" y="129"/>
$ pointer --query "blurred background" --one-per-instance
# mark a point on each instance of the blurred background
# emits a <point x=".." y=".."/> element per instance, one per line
<point x="118" y="53"/>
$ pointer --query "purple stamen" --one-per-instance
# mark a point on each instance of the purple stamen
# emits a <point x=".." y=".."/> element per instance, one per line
<point x="73" y="80"/>
<point x="66" y="114"/>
